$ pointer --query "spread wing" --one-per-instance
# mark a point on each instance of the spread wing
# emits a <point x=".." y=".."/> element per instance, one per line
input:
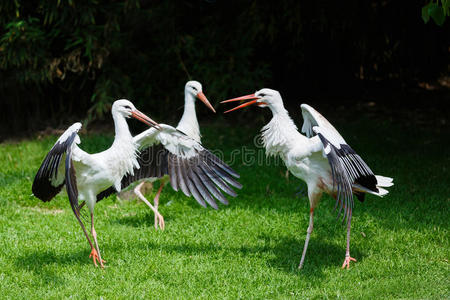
<point x="57" y="169"/>
<point x="347" y="167"/>
<point x="50" y="178"/>
<point x="192" y="169"/>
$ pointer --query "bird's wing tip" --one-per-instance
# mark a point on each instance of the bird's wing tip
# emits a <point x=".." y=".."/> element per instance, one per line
<point x="76" y="126"/>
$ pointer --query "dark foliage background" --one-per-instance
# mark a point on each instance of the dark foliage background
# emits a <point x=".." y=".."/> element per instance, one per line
<point x="68" y="60"/>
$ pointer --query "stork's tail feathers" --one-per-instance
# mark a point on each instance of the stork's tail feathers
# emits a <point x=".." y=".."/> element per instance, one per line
<point x="382" y="182"/>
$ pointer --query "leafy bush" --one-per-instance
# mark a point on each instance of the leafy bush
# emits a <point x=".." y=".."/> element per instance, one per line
<point x="436" y="12"/>
<point x="59" y="59"/>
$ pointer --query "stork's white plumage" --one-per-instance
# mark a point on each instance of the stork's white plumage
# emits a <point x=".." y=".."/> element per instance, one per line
<point x="86" y="175"/>
<point x="189" y="126"/>
<point x="322" y="158"/>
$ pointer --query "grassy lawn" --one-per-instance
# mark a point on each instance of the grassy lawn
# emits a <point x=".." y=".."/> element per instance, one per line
<point x="248" y="249"/>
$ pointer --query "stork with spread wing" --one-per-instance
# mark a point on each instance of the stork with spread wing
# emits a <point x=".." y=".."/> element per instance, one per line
<point x="322" y="159"/>
<point x="86" y="176"/>
<point x="191" y="168"/>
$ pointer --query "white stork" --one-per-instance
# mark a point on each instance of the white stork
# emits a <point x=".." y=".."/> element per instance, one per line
<point x="189" y="126"/>
<point x="86" y="176"/>
<point x="322" y="159"/>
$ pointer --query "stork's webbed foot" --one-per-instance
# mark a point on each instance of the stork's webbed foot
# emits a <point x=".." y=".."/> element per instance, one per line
<point x="96" y="258"/>
<point x="347" y="261"/>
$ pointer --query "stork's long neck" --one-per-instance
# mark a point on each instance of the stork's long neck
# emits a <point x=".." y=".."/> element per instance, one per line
<point x="188" y="123"/>
<point x="123" y="134"/>
<point x="280" y="133"/>
<point x="122" y="156"/>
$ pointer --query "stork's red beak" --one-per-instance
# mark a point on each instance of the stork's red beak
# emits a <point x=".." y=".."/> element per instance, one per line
<point x="144" y="119"/>
<point x="203" y="98"/>
<point x="247" y="97"/>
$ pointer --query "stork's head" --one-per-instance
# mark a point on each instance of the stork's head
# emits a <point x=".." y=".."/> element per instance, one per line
<point x="263" y="98"/>
<point x="126" y="109"/>
<point x="195" y="89"/>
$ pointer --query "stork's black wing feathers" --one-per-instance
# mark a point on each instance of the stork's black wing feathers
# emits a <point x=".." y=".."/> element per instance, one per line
<point x="48" y="183"/>
<point x="44" y="186"/>
<point x="218" y="180"/>
<point x="210" y="185"/>
<point x="210" y="157"/>
<point x="347" y="168"/>
<point x="178" y="169"/>
<point x="106" y="193"/>
<point x="220" y="169"/>
<point x="71" y="184"/>
<point x="202" y="176"/>
<point x="359" y="172"/>
<point x="193" y="187"/>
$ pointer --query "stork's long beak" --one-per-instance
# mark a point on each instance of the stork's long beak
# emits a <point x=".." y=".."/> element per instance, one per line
<point x="251" y="97"/>
<point x="144" y="119"/>
<point x="203" y="98"/>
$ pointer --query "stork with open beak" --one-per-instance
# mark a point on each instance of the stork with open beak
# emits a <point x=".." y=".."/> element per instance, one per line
<point x="187" y="125"/>
<point x="322" y="159"/>
<point x="87" y="176"/>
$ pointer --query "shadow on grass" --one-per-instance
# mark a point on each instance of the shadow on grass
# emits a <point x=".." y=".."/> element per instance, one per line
<point x="141" y="220"/>
<point x="284" y="253"/>
<point x="147" y="218"/>
<point x="319" y="256"/>
<point x="45" y="264"/>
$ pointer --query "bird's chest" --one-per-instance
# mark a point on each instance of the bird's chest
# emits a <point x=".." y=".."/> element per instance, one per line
<point x="109" y="169"/>
<point x="92" y="179"/>
<point x="277" y="143"/>
<point x="122" y="162"/>
<point x="297" y="163"/>
<point x="310" y="167"/>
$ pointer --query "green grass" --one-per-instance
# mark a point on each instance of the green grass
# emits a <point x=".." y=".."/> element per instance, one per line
<point x="249" y="249"/>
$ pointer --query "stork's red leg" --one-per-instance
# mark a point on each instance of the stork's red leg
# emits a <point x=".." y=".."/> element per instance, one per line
<point x="308" y="234"/>
<point x="158" y="216"/>
<point x="95" y="253"/>
<point x="347" y="251"/>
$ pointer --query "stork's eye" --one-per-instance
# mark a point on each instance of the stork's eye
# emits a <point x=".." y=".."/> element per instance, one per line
<point x="127" y="107"/>
<point x="262" y="95"/>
